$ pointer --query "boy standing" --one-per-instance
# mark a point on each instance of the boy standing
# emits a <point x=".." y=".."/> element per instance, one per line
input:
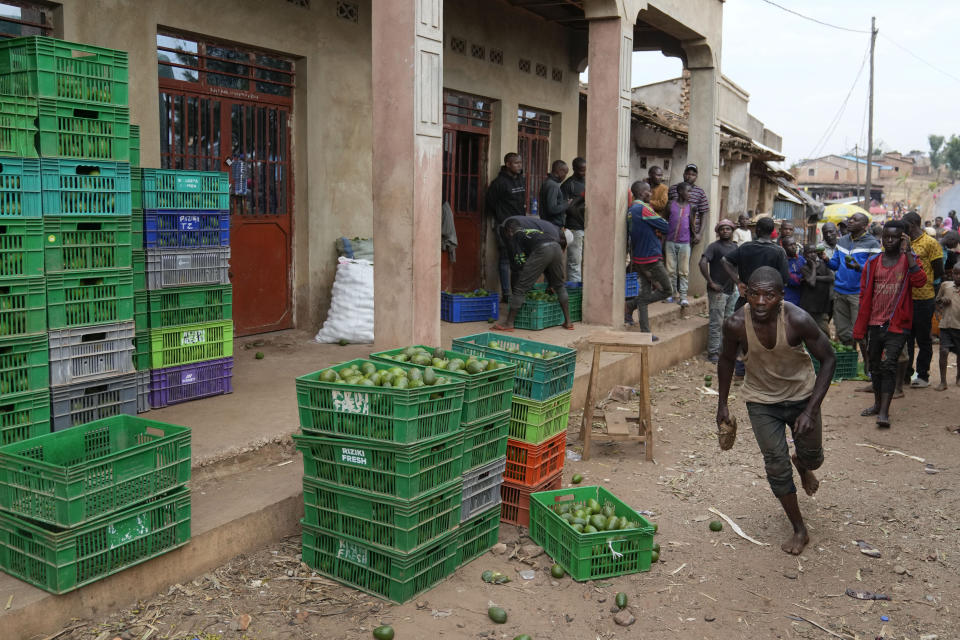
<point x="948" y="306"/>
<point x="679" y="235"/>
<point x="721" y="293"/>
<point x="795" y="263"/>
<point x="816" y="288"/>
<point x="643" y="227"/>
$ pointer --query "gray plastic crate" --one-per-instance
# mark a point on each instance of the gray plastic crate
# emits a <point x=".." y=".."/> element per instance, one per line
<point x="84" y="402"/>
<point x="84" y="354"/>
<point x="481" y="488"/>
<point x="184" y="267"/>
<point x="143" y="391"/>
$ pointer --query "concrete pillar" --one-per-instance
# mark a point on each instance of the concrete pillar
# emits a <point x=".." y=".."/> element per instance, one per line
<point x="608" y="169"/>
<point x="407" y="130"/>
<point x="703" y="149"/>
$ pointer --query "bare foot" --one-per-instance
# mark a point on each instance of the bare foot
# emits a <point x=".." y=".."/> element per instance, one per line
<point x="941" y="387"/>
<point x="501" y="327"/>
<point x="897" y="394"/>
<point x="872" y="410"/>
<point x="568" y="326"/>
<point x="807" y="478"/>
<point x="865" y="389"/>
<point x="796" y="543"/>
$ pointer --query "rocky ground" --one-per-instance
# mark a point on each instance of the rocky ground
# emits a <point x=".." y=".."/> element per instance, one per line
<point x="896" y="490"/>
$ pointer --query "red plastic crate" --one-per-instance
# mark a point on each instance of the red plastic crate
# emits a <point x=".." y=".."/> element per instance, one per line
<point x="515" y="508"/>
<point x="530" y="464"/>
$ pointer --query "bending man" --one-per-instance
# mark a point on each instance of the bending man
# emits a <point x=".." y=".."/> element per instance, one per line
<point x="780" y="388"/>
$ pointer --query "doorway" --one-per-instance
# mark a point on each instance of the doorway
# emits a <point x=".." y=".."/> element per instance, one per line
<point x="533" y="145"/>
<point x="466" y="140"/>
<point x="225" y="108"/>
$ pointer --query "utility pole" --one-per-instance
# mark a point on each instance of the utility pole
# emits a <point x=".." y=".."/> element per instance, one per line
<point x="873" y="42"/>
<point x="856" y="155"/>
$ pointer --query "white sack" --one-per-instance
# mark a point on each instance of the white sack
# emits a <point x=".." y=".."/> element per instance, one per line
<point x="351" y="307"/>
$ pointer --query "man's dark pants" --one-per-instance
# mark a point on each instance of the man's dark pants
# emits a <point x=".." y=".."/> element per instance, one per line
<point x="503" y="266"/>
<point x="547" y="260"/>
<point x="770" y="422"/>
<point x="648" y="273"/>
<point x="883" y="349"/>
<point x="920" y="335"/>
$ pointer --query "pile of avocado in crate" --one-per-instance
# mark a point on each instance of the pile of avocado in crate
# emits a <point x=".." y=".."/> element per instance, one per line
<point x="539" y="412"/>
<point x="81" y="504"/>
<point x="67" y="135"/>
<point x="485" y="421"/>
<point x="382" y="452"/>
<point x="846" y="367"/>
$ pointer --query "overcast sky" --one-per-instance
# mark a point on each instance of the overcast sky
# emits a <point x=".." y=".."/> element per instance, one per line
<point x="798" y="73"/>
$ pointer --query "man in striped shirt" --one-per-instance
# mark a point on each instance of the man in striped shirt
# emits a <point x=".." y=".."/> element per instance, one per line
<point x="699" y="203"/>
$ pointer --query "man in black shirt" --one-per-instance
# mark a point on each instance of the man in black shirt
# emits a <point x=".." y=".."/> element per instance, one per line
<point x="553" y="206"/>
<point x="816" y="287"/>
<point x="721" y="294"/>
<point x="536" y="248"/>
<point x="506" y="196"/>
<point x="750" y="256"/>
<point x="573" y="191"/>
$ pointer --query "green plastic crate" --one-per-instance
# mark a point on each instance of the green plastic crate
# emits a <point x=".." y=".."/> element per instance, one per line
<point x="190" y="305"/>
<point x="536" y="379"/>
<point x="174" y="346"/>
<point x="21" y="248"/>
<point x="846" y="368"/>
<point x="23" y="307"/>
<point x="537" y="421"/>
<point x="51" y="68"/>
<point x="388" y="574"/>
<point x="139" y="260"/>
<point x="141" y="317"/>
<point x="80" y="243"/>
<point x="380" y="414"/>
<point x="134" y="145"/>
<point x="485" y="394"/>
<point x="398" y="525"/>
<point x="89" y="298"/>
<point x="61" y="561"/>
<point x="535" y="315"/>
<point x="141" y="353"/>
<point x="18" y="126"/>
<point x="381" y="469"/>
<point x="136" y="190"/>
<point x="85" y="187"/>
<point x="485" y="442"/>
<point x="71" y="477"/>
<point x="136" y="228"/>
<point x="477" y="535"/>
<point x="179" y="189"/>
<point x="72" y="129"/>
<point x="575" y="303"/>
<point x="20" y="192"/>
<point x="590" y="556"/>
<point x="24" y="364"/>
<point x="24" y="415"/>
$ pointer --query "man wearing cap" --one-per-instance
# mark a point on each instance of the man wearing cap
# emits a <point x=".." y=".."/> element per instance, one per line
<point x="721" y="292"/>
<point x="699" y="204"/>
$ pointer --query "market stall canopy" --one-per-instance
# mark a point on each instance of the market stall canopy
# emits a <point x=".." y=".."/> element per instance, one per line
<point x="840" y="212"/>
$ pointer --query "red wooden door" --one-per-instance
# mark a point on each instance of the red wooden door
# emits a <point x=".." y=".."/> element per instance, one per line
<point x="533" y="145"/>
<point x="223" y="108"/>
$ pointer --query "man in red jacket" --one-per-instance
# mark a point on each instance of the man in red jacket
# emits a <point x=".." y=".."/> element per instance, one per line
<point x="885" y="315"/>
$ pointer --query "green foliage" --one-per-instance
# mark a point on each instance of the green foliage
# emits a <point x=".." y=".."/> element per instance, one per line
<point x="951" y="153"/>
<point x="935" y="143"/>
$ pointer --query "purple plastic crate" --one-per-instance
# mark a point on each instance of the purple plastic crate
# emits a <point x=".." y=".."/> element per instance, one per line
<point x="186" y="229"/>
<point x="456" y="308"/>
<point x="190" y="382"/>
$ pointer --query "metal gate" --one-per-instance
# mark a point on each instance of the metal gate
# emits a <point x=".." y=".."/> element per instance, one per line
<point x="466" y="137"/>
<point x="225" y="108"/>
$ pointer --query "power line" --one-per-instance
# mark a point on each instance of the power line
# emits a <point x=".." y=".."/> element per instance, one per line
<point x="821" y="143"/>
<point x="821" y="22"/>
<point x="932" y="66"/>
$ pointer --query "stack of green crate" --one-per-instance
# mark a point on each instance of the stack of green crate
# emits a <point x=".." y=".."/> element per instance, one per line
<point x="81" y="504"/>
<point x="485" y="420"/>
<point x="141" y="342"/>
<point x="382" y="479"/>
<point x="83" y="140"/>
<point x="24" y="370"/>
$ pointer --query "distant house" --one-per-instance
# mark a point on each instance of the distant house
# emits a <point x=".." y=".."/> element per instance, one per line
<point x="839" y="176"/>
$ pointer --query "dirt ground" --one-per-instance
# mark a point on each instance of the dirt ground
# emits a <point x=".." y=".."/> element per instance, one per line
<point x="706" y="585"/>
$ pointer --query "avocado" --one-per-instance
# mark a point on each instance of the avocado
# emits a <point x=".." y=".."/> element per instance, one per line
<point x="497" y="614"/>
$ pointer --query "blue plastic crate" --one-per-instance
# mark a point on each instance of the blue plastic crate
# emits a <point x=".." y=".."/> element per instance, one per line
<point x="85" y="187"/>
<point x="20" y="188"/>
<point x="632" y="285"/>
<point x="456" y="308"/>
<point x="186" y="229"/>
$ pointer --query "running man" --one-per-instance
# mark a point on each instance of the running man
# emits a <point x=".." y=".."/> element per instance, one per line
<point x="780" y="389"/>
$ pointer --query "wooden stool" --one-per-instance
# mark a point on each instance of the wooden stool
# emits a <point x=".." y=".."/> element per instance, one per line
<point x="617" y="428"/>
